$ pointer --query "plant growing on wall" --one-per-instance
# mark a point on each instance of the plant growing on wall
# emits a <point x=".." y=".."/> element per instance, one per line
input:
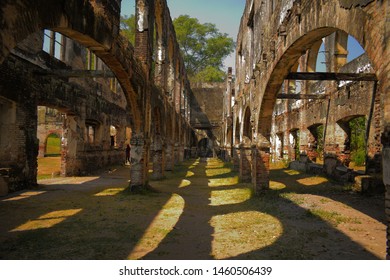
<point x="128" y="27"/>
<point x="358" y="142"/>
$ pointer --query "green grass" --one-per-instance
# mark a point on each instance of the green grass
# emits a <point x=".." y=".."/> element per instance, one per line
<point x="53" y="146"/>
<point x="332" y="217"/>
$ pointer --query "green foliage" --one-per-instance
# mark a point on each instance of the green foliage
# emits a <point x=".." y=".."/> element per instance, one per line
<point x="53" y="145"/>
<point x="203" y="48"/>
<point x="210" y="74"/>
<point x="358" y="141"/>
<point x="296" y="135"/>
<point x="128" y="27"/>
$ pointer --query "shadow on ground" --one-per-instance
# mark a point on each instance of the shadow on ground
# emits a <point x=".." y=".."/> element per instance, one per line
<point x="200" y="211"/>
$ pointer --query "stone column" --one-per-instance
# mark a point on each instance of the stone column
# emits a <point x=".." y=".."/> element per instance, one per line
<point x="228" y="150"/>
<point x="169" y="157"/>
<point x="260" y="167"/>
<point x="139" y="169"/>
<point x="181" y="153"/>
<point x="72" y="143"/>
<point x="245" y="163"/>
<point x="176" y="153"/>
<point x="157" y="158"/>
<point x="187" y="153"/>
<point x="223" y="153"/>
<point x="386" y="180"/>
<point x="236" y="158"/>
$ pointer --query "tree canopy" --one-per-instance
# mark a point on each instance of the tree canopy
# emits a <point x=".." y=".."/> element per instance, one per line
<point x="203" y="48"/>
<point x="128" y="27"/>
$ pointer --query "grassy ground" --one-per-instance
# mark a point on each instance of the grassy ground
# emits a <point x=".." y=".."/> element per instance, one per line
<point x="201" y="211"/>
<point x="49" y="167"/>
<point x="53" y="146"/>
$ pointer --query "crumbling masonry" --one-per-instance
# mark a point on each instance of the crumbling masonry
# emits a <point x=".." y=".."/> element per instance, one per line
<point x="278" y="99"/>
<point x="69" y="56"/>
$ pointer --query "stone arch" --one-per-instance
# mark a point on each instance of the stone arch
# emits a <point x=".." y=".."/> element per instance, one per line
<point x="316" y="141"/>
<point x="237" y="132"/>
<point x="312" y="54"/>
<point x="205" y="147"/>
<point x="323" y="23"/>
<point x="247" y="124"/>
<point x="348" y="137"/>
<point x="52" y="134"/>
<point x="83" y="22"/>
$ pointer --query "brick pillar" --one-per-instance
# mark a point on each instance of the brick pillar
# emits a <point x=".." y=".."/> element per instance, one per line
<point x="71" y="143"/>
<point x="139" y="169"/>
<point x="260" y="168"/>
<point x="169" y="157"/>
<point x="386" y="180"/>
<point x="245" y="163"/>
<point x="236" y="158"/>
<point x="41" y="149"/>
<point x="157" y="158"/>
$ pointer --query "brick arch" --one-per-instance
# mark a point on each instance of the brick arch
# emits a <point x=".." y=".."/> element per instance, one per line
<point x="94" y="25"/>
<point x="237" y="132"/>
<point x="318" y="21"/>
<point x="50" y="133"/>
<point x="247" y="125"/>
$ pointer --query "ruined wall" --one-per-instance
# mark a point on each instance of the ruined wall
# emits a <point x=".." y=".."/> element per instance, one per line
<point x="347" y="100"/>
<point x="151" y="74"/>
<point x="25" y="87"/>
<point x="206" y="112"/>
<point x="277" y="37"/>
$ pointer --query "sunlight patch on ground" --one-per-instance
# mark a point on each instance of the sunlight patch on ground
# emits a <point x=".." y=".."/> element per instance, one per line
<point x="194" y="164"/>
<point x="233" y="196"/>
<point x="230" y="181"/>
<point x="69" y="180"/>
<point x="312" y="181"/>
<point x="190" y="174"/>
<point x="217" y="171"/>
<point x="161" y="226"/>
<point x="346" y="219"/>
<point x="48" y="220"/>
<point x="184" y="183"/>
<point x="243" y="232"/>
<point x="273" y="185"/>
<point x="292" y="172"/>
<point x="24" y="196"/>
<point x="109" y="192"/>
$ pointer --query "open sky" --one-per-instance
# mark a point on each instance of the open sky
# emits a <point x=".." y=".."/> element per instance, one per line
<point x="226" y="15"/>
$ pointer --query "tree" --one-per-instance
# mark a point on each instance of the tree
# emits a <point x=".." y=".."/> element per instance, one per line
<point x="203" y="48"/>
<point x="128" y="28"/>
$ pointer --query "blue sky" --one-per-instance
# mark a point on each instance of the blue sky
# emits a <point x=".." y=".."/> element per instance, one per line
<point x="225" y="14"/>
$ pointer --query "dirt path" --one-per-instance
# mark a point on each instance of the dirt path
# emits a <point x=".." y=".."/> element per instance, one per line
<point x="200" y="212"/>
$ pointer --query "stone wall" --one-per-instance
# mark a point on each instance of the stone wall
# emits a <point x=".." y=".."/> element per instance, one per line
<point x="277" y="38"/>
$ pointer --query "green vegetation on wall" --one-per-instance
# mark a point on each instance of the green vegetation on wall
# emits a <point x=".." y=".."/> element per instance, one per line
<point x="358" y="142"/>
